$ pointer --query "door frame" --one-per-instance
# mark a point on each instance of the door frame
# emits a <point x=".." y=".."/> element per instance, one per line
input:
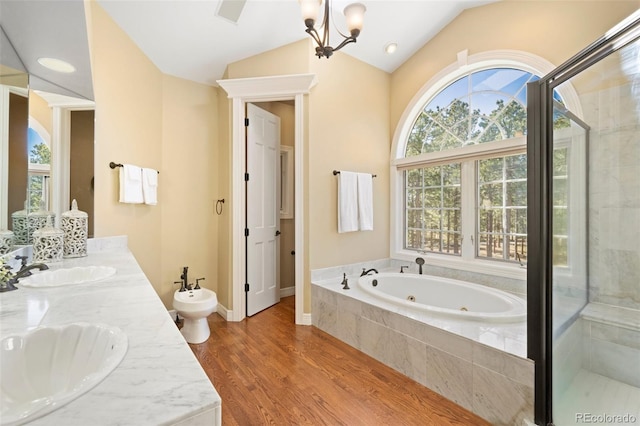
<point x="265" y="89"/>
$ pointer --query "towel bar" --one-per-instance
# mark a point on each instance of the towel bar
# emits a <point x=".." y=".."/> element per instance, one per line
<point x="114" y="165"/>
<point x="337" y="172"/>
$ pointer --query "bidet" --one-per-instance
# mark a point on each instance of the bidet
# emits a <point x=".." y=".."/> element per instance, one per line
<point x="195" y="306"/>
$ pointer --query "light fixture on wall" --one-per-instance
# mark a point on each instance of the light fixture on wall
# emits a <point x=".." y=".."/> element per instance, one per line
<point x="355" y="17"/>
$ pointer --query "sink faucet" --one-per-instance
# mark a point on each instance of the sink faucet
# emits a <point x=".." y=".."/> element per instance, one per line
<point x="420" y="262"/>
<point x="367" y="271"/>
<point x="25" y="271"/>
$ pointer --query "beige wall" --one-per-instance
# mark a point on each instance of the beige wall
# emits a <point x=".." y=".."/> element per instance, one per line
<point x="554" y="30"/>
<point x="146" y="118"/>
<point x="348" y="130"/>
<point x="189" y="184"/>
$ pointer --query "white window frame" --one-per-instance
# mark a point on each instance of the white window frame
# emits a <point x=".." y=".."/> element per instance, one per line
<point x="399" y="163"/>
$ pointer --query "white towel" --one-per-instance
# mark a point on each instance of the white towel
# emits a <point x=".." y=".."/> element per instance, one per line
<point x="150" y="186"/>
<point x="365" y="201"/>
<point x="131" y="184"/>
<point x="347" y="202"/>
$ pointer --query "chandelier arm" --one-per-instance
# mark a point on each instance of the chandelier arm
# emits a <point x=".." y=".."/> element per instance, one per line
<point x="314" y="35"/>
<point x="344" y="43"/>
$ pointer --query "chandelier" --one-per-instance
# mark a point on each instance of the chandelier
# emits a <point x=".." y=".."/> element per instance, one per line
<point x="355" y="17"/>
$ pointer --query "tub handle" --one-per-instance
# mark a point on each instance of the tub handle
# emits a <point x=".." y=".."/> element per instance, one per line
<point x="402" y="268"/>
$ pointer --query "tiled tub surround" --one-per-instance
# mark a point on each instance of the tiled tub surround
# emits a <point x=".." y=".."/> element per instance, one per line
<point x="480" y="366"/>
<point x="159" y="381"/>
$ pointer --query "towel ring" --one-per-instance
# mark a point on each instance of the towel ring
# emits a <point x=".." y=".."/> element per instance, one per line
<point x="219" y="204"/>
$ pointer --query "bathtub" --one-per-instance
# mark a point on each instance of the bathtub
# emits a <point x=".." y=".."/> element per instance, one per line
<point x="444" y="296"/>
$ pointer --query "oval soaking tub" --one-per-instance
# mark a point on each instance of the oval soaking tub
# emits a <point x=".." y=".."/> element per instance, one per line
<point x="445" y="296"/>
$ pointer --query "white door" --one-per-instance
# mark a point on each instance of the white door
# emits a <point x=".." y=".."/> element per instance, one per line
<point x="263" y="219"/>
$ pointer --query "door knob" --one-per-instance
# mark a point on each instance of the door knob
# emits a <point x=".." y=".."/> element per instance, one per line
<point x="278" y="233"/>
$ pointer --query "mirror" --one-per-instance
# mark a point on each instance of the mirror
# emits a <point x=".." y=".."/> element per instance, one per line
<point x="45" y="116"/>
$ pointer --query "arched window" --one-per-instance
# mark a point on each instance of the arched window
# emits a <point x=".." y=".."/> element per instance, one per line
<point x="461" y="181"/>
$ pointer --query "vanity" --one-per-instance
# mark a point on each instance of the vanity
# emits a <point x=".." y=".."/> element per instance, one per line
<point x="159" y="380"/>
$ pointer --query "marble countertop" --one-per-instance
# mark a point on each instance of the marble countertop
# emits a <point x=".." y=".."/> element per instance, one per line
<point x="159" y="381"/>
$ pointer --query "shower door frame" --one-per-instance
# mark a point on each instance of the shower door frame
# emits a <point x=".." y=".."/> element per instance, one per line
<point x="540" y="205"/>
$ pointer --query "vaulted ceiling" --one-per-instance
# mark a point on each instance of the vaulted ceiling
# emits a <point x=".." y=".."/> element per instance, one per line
<point x="196" y="39"/>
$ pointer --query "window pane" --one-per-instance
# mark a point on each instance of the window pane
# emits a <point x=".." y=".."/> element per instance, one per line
<point x="414" y="239"/>
<point x="432" y="218"/>
<point x="414" y="178"/>
<point x="434" y="209"/>
<point x="432" y="241"/>
<point x="451" y="243"/>
<point x="490" y="195"/>
<point x="560" y="195"/>
<point x="451" y="174"/>
<point x="433" y="197"/>
<point x="516" y="166"/>
<point x="516" y="193"/>
<point x="414" y="198"/>
<point x="414" y="218"/>
<point x="490" y="170"/>
<point x="502" y="213"/>
<point x="432" y="176"/>
<point x="451" y="197"/>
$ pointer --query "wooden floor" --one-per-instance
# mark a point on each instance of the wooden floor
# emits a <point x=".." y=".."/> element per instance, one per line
<point x="268" y="370"/>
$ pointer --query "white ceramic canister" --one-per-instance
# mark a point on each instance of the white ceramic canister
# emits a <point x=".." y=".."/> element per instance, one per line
<point x="48" y="243"/>
<point x="38" y="220"/>
<point x="6" y="241"/>
<point x="20" y="226"/>
<point x="75" y="225"/>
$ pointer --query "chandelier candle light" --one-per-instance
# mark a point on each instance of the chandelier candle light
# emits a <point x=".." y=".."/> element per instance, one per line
<point x="355" y="17"/>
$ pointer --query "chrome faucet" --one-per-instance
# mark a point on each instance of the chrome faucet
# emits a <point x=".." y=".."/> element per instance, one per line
<point x="420" y="262"/>
<point x="367" y="271"/>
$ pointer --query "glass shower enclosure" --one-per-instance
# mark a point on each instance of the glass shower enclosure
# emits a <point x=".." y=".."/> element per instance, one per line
<point x="584" y="235"/>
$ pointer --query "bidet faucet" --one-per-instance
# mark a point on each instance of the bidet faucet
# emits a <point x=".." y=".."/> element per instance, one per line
<point x="185" y="280"/>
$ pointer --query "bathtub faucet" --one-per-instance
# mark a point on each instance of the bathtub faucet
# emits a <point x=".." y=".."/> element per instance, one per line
<point x="367" y="271"/>
<point x="420" y="262"/>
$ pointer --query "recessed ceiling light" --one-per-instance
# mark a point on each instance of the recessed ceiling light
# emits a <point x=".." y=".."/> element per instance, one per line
<point x="390" y="48"/>
<point x="56" y="65"/>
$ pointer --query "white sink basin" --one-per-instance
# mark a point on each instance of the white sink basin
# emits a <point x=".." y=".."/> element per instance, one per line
<point x="68" y="276"/>
<point x="46" y="368"/>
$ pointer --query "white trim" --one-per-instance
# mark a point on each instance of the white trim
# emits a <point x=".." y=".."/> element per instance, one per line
<point x="4" y="155"/>
<point x="242" y="91"/>
<point x="287" y="291"/>
<point x="306" y="320"/>
<point x="287" y="185"/>
<point x="274" y="87"/>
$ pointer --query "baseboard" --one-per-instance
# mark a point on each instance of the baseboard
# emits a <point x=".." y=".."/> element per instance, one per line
<point x="224" y="312"/>
<point x="287" y="291"/>
<point x="306" y="319"/>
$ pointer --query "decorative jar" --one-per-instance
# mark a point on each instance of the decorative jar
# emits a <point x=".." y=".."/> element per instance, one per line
<point x="6" y="241"/>
<point x="75" y="225"/>
<point x="48" y="243"/>
<point x="38" y="220"/>
<point x="20" y="226"/>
